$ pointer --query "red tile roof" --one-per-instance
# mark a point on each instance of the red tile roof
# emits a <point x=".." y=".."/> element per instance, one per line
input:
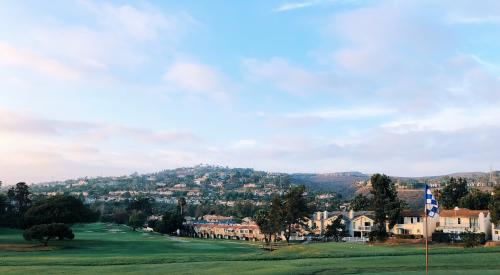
<point x="462" y="212"/>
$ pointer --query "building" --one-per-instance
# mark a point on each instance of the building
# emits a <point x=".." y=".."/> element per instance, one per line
<point x="413" y="223"/>
<point x="495" y="233"/>
<point x="248" y="230"/>
<point x="217" y="218"/>
<point x="362" y="223"/>
<point x="461" y="220"/>
<point x="358" y="223"/>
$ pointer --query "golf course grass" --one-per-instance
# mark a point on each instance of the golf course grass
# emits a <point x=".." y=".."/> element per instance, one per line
<point x="115" y="249"/>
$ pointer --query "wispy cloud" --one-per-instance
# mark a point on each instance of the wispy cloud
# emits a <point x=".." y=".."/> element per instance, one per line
<point x="26" y="59"/>
<point x="297" y="5"/>
<point x="195" y="77"/>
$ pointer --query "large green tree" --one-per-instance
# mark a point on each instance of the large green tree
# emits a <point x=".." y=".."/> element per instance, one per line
<point x="141" y="204"/>
<point x="475" y="200"/>
<point x="137" y="219"/>
<point x="46" y="232"/>
<point x="453" y="191"/>
<point x="59" y="209"/>
<point x="295" y="209"/>
<point x="170" y="222"/>
<point x="386" y="204"/>
<point x="495" y="206"/>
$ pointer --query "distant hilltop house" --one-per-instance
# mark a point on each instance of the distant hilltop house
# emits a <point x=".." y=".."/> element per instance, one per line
<point x="249" y="185"/>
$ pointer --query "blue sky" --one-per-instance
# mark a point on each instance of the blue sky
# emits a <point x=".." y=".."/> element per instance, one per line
<point x="92" y="88"/>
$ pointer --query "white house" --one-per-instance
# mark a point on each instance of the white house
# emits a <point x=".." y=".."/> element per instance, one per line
<point x="413" y="223"/>
<point x="495" y="232"/>
<point x="461" y="220"/>
<point x="362" y="223"/>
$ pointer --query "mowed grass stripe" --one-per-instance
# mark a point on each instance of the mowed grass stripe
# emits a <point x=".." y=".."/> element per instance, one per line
<point x="107" y="248"/>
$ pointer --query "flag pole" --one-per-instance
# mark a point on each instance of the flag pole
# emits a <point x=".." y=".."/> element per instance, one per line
<point x="426" y="244"/>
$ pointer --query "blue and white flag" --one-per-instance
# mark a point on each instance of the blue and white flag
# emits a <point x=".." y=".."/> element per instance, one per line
<point x="431" y="205"/>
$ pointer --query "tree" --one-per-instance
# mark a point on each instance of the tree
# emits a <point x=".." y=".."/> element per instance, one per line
<point x="141" y="204"/>
<point x="475" y="200"/>
<point x="170" y="222"/>
<point x="45" y="232"/>
<point x="268" y="225"/>
<point x="295" y="209"/>
<point x="182" y="203"/>
<point x="337" y="229"/>
<point x="59" y="209"/>
<point x="453" y="192"/>
<point x="495" y="206"/>
<point x="361" y="202"/>
<point x="386" y="204"/>
<point x="137" y="219"/>
<point x="120" y="216"/>
<point x="22" y="197"/>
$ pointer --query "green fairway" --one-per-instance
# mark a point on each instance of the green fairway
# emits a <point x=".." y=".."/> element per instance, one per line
<point x="106" y="248"/>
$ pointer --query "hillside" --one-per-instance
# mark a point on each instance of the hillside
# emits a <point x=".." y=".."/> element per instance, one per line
<point x="342" y="183"/>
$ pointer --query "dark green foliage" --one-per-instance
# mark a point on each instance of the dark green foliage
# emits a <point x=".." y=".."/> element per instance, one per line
<point x="441" y="237"/>
<point x="142" y="204"/>
<point x="361" y="202"/>
<point x="137" y="219"/>
<point x="21" y="197"/>
<point x="451" y="194"/>
<point x="14" y="205"/>
<point x="181" y="202"/>
<point x="295" y="209"/>
<point x="120" y="216"/>
<point x="337" y="230"/>
<point x="386" y="204"/>
<point x="495" y="206"/>
<point x="59" y="209"/>
<point x="472" y="239"/>
<point x="475" y="200"/>
<point x="46" y="232"/>
<point x="170" y="222"/>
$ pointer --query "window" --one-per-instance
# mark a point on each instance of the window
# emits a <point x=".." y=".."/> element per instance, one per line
<point x="418" y="219"/>
<point x="459" y="221"/>
<point x="367" y="223"/>
<point x="411" y="220"/>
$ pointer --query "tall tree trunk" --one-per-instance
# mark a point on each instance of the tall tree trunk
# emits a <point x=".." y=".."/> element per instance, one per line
<point x="287" y="234"/>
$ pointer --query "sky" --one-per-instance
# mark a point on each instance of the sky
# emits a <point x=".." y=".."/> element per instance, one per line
<point x="97" y="88"/>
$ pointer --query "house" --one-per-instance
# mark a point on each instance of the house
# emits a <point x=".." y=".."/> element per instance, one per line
<point x="320" y="220"/>
<point x="217" y="218"/>
<point x="362" y="223"/>
<point x="359" y="224"/>
<point x="495" y="232"/>
<point x="413" y="223"/>
<point x="461" y="220"/>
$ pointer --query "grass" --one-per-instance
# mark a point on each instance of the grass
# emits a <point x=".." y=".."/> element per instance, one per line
<point x="114" y="249"/>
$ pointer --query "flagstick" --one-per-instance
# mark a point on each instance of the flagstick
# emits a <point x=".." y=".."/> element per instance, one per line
<point x="426" y="244"/>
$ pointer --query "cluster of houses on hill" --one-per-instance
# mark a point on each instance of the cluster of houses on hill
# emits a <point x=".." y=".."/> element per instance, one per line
<point x="358" y="224"/>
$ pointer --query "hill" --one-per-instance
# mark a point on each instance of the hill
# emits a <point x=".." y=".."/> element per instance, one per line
<point x="343" y="183"/>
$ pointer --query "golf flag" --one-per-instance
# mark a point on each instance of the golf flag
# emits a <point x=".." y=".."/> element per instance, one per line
<point x="431" y="205"/>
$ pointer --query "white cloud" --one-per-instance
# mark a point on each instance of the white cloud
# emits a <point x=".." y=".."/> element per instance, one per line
<point x="25" y="59"/>
<point x="198" y="78"/>
<point x="297" y="5"/>
<point x="287" y="77"/>
<point x="448" y="120"/>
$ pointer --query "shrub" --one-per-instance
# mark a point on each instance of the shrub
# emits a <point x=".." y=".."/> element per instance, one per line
<point x="399" y="236"/>
<point x="441" y="237"/>
<point x="472" y="239"/>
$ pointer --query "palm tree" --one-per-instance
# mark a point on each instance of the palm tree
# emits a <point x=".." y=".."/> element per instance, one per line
<point x="182" y="203"/>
